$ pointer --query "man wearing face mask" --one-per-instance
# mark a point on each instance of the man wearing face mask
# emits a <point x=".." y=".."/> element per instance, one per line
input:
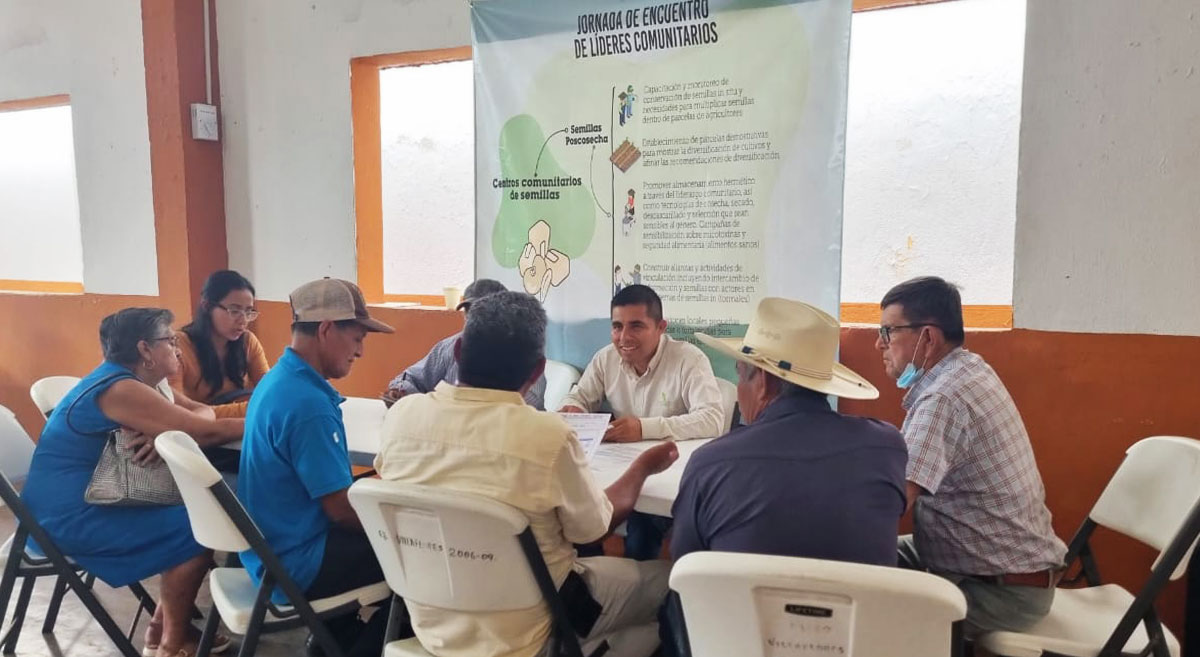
<point x="980" y="517"/>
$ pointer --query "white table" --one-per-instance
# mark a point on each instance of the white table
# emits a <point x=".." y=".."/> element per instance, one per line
<point x="660" y="491"/>
<point x="609" y="463"/>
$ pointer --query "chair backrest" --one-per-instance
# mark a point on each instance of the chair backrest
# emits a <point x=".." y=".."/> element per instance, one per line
<point x="758" y="606"/>
<point x="728" y="401"/>
<point x="195" y="476"/>
<point x="447" y="549"/>
<point x="363" y="418"/>
<point x="1152" y="492"/>
<point x="560" y="378"/>
<point x="16" y="448"/>
<point x="47" y="392"/>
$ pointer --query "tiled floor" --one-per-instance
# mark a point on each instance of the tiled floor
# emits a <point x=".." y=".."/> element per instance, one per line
<point x="77" y="635"/>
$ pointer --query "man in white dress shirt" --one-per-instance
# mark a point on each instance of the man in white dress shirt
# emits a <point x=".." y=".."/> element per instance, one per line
<point x="657" y="388"/>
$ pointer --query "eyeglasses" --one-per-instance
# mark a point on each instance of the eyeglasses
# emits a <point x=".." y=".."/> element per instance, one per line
<point x="885" y="332"/>
<point x="172" y="339"/>
<point x="248" y="314"/>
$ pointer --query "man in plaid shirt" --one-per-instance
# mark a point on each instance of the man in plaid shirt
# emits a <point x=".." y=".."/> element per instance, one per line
<point x="980" y="517"/>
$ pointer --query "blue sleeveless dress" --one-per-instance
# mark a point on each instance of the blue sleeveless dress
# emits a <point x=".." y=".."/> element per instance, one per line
<point x="120" y="545"/>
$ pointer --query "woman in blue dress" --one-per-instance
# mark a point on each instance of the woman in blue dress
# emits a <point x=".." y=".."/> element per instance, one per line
<point x="121" y="545"/>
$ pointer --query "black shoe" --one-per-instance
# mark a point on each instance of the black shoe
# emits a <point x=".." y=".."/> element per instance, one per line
<point x="312" y="648"/>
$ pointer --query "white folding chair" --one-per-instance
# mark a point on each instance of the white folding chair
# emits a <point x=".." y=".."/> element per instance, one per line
<point x="560" y="378"/>
<point x="220" y="522"/>
<point x="460" y="552"/>
<point x="47" y="392"/>
<point x="1153" y="497"/>
<point x="19" y="560"/>
<point x="728" y="402"/>
<point x="363" y="418"/>
<point x="754" y="605"/>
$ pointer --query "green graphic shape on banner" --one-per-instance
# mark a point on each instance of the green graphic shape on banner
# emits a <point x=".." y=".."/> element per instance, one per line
<point x="526" y="153"/>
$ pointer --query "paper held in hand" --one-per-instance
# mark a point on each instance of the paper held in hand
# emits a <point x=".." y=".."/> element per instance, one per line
<point x="589" y="428"/>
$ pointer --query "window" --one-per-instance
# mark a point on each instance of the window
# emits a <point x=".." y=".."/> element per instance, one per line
<point x="414" y="139"/>
<point x="933" y="122"/>
<point x="40" y="245"/>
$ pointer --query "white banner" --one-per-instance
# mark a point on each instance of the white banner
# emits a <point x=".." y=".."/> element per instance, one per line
<point x="695" y="147"/>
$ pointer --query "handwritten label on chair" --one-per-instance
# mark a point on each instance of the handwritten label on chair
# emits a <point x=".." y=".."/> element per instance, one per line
<point x="802" y="624"/>
<point x="421" y="539"/>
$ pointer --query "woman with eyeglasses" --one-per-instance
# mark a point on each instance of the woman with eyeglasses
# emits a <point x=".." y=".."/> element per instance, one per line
<point x="220" y="359"/>
<point x="125" y="544"/>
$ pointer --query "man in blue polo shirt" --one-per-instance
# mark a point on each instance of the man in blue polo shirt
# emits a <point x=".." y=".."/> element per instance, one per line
<point x="295" y="467"/>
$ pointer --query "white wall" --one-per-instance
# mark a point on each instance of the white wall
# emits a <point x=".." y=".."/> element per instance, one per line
<point x="1107" y="215"/>
<point x="288" y="153"/>
<point x="39" y="209"/>
<point x="427" y="130"/>
<point x="931" y="148"/>
<point x="93" y="51"/>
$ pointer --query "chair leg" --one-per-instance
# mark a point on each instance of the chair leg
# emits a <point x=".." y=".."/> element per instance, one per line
<point x="83" y="591"/>
<point x="396" y="613"/>
<point x="16" y="555"/>
<point x="145" y="602"/>
<point x="9" y="644"/>
<point x="210" y="633"/>
<point x="257" y="618"/>
<point x="144" y="597"/>
<point x="60" y="591"/>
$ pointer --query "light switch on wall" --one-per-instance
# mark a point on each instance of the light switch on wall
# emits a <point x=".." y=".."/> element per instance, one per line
<point x="204" y="122"/>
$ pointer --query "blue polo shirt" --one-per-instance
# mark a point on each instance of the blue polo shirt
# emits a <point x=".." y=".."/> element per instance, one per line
<point x="293" y="454"/>
<point x="801" y="481"/>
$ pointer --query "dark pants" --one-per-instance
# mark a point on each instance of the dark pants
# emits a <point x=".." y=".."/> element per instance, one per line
<point x="349" y="563"/>
<point x="644" y="535"/>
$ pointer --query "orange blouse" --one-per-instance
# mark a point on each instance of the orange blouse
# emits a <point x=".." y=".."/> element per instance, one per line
<point x="190" y="379"/>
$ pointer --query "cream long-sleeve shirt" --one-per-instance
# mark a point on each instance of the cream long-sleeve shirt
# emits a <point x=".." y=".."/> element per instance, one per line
<point x="676" y="399"/>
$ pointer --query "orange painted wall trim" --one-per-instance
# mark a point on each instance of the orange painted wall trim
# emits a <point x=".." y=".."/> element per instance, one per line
<point x="368" y="156"/>
<point x="35" y="103"/>
<point x="975" y="316"/>
<point x="51" y="287"/>
<point x="421" y="299"/>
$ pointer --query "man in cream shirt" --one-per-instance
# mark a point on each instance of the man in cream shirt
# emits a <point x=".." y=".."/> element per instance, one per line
<point x="480" y="437"/>
<point x="658" y="389"/>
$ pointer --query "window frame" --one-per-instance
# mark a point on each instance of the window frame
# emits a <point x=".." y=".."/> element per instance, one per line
<point x="368" y="166"/>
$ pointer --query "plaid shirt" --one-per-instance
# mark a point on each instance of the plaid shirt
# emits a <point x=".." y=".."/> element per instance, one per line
<point x="439" y="365"/>
<point x="985" y="513"/>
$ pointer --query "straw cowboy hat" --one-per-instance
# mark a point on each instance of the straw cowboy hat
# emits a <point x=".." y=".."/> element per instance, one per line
<point x="797" y="343"/>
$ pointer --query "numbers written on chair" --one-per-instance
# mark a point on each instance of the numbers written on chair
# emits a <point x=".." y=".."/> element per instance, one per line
<point x="452" y="552"/>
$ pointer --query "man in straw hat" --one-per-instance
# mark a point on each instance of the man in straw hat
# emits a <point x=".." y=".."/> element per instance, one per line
<point x="800" y="479"/>
<point x="295" y="467"/>
<point x="980" y="516"/>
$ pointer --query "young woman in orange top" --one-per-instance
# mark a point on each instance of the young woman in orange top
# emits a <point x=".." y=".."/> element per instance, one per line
<point x="220" y="359"/>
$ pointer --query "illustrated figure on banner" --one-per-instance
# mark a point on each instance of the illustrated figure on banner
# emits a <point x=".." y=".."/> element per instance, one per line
<point x="542" y="267"/>
<point x="627" y="219"/>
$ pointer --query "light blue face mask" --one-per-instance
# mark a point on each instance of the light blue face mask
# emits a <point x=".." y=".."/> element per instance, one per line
<point x="909" y="376"/>
<point x="911" y="372"/>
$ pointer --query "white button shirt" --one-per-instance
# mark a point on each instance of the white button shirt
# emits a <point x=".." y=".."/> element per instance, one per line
<point x="676" y="399"/>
